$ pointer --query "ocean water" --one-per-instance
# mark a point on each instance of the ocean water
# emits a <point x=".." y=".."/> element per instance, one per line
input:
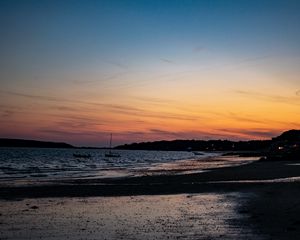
<point x="46" y="163"/>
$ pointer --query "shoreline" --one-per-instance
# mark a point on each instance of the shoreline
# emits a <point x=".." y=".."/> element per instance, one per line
<point x="235" y="178"/>
<point x="252" y="201"/>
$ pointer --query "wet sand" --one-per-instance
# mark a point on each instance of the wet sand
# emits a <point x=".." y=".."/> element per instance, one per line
<point x="259" y="200"/>
<point x="273" y="211"/>
<point x="248" y="176"/>
<point x="183" y="216"/>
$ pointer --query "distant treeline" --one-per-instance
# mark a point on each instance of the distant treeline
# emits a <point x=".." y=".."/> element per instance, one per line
<point x="199" y="145"/>
<point x="5" y="142"/>
<point x="289" y="137"/>
<point x="287" y="144"/>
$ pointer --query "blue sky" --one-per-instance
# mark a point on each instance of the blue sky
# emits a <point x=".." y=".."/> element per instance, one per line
<point x="169" y="51"/>
<point x="64" y="33"/>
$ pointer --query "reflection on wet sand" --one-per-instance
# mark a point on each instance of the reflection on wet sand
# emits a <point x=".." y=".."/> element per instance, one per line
<point x="205" y="216"/>
<point x="250" y="201"/>
<point x="197" y="165"/>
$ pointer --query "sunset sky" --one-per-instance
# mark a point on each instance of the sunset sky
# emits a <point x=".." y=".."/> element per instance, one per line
<point x="76" y="71"/>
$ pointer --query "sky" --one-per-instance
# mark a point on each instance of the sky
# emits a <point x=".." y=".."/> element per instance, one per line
<point x="76" y="71"/>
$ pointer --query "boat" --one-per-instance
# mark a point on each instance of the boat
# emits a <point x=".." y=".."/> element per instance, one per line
<point x="78" y="155"/>
<point x="198" y="153"/>
<point x="110" y="153"/>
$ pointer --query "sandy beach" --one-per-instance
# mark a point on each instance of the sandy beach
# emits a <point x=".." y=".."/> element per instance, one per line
<point x="258" y="200"/>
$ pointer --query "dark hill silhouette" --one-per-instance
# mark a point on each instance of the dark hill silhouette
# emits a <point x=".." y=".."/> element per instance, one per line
<point x="199" y="145"/>
<point x="285" y="146"/>
<point x="175" y="145"/>
<point x="289" y="136"/>
<point x="6" y="142"/>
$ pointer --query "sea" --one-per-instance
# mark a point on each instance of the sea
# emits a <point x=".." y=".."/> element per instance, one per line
<point x="44" y="164"/>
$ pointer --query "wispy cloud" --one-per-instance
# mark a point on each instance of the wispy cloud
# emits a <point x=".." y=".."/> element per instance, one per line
<point x="103" y="79"/>
<point x="160" y="102"/>
<point x="118" y="64"/>
<point x="164" y="132"/>
<point x="65" y="108"/>
<point x="154" y="100"/>
<point x="255" y="59"/>
<point x="166" y="60"/>
<point x="154" y="114"/>
<point x="262" y="133"/>
<point x="241" y="118"/>
<point x="79" y="123"/>
<point x="298" y="93"/>
<point x="69" y="133"/>
<point x="269" y="97"/>
<point x="198" y="49"/>
<point x="258" y="133"/>
<point x="160" y="134"/>
<point x="240" y="63"/>
<point x="152" y="135"/>
<point x="7" y="113"/>
<point x="64" y="100"/>
<point x="114" y="108"/>
<point x="39" y="97"/>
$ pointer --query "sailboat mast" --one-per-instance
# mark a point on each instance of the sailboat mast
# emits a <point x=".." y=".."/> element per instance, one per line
<point x="110" y="153"/>
<point x="110" y="141"/>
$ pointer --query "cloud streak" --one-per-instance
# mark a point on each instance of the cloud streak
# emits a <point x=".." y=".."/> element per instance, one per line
<point x="113" y="108"/>
<point x="198" y="49"/>
<point x="270" y="98"/>
<point x="117" y="64"/>
<point x="101" y="80"/>
<point x="64" y="100"/>
<point x="258" y="133"/>
<point x="238" y="117"/>
<point x="7" y="113"/>
<point x="165" y="60"/>
<point x="255" y="59"/>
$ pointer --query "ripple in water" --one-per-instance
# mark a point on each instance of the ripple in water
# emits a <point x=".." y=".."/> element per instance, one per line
<point x="42" y="163"/>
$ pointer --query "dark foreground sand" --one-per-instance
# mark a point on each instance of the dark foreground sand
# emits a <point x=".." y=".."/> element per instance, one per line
<point x="260" y="200"/>
<point x="182" y="216"/>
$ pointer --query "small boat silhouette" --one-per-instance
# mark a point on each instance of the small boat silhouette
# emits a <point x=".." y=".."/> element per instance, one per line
<point x="198" y="153"/>
<point x="77" y="155"/>
<point x="110" y="153"/>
